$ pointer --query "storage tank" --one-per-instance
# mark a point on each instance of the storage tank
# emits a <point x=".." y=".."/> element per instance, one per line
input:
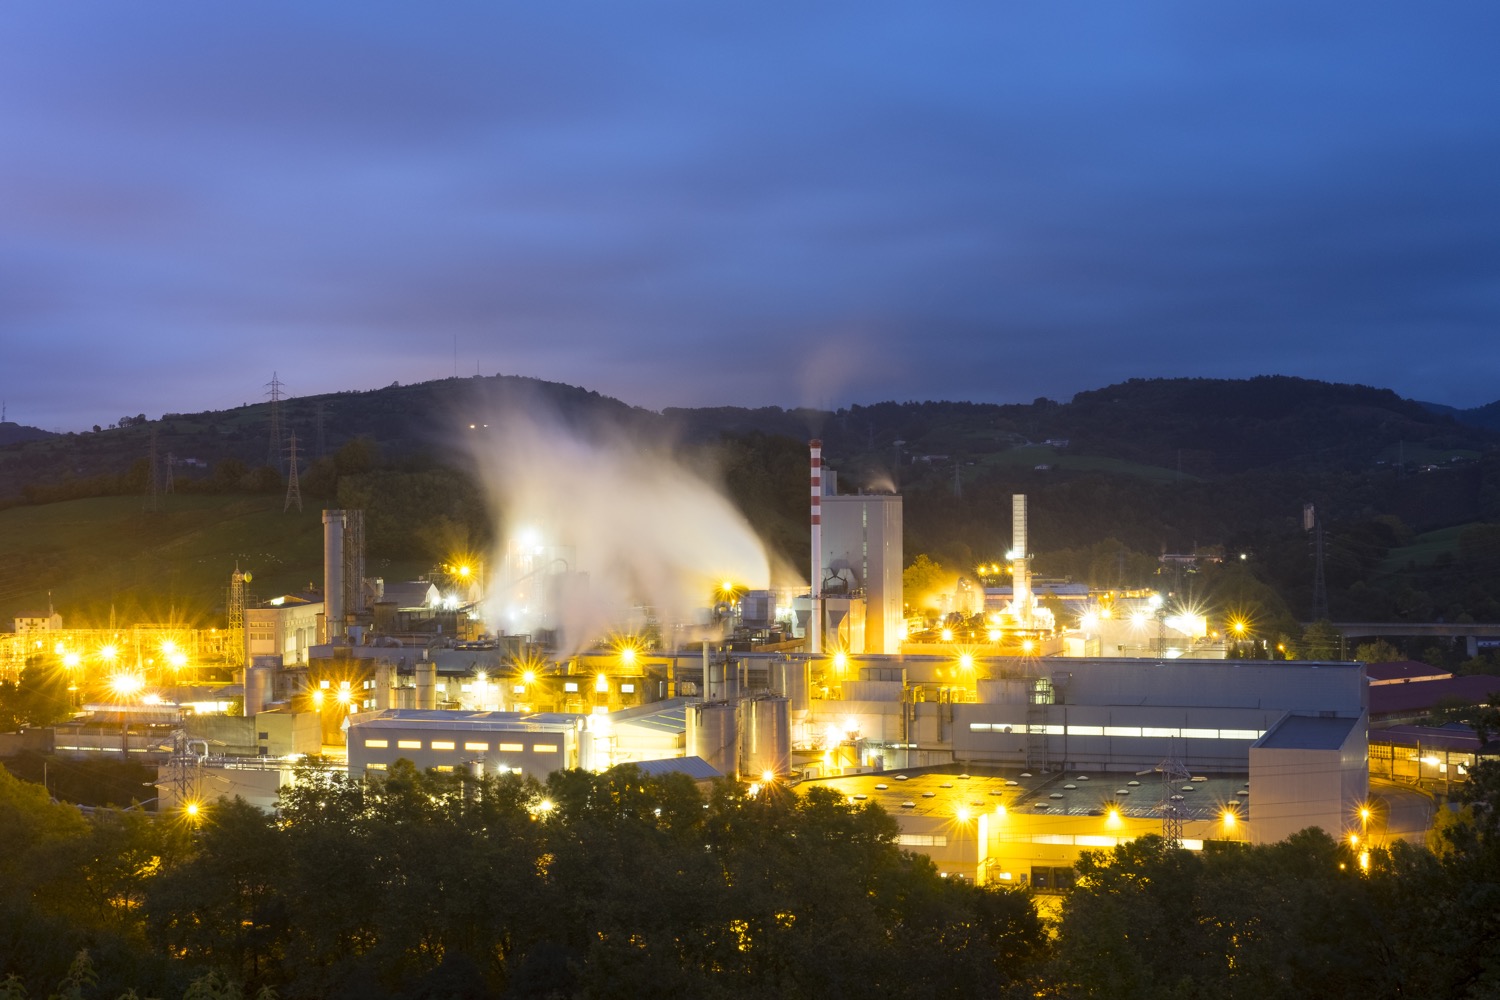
<point x="768" y="736"/>
<point x="385" y="676"/>
<point x="426" y="684"/>
<point x="257" y="690"/>
<point x="713" y="735"/>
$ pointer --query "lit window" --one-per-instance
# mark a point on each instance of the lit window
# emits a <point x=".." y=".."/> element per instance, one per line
<point x="377" y="744"/>
<point x="1240" y="734"/>
<point x="979" y="727"/>
<point x="1122" y="730"/>
<point x="510" y="748"/>
<point x="374" y="767"/>
<point x="921" y="840"/>
<point x="627" y="689"/>
<point x="442" y="744"/>
<point x="445" y="768"/>
<point x="1200" y="734"/>
<point x="481" y="747"/>
<point x="409" y="744"/>
<point x="570" y="686"/>
<point x="1085" y="730"/>
<point x="544" y="748"/>
<point x="1157" y="732"/>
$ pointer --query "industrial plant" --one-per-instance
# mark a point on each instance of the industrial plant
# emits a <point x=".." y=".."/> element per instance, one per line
<point x="1004" y="736"/>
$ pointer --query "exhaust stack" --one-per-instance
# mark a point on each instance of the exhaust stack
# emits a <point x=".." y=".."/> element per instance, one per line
<point x="815" y="592"/>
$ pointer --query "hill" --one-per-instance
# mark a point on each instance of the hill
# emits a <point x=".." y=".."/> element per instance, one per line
<point x="1116" y="476"/>
<point x="14" y="433"/>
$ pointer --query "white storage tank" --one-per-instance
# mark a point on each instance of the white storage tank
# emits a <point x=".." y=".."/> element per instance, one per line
<point x="257" y="690"/>
<point x="768" y="737"/>
<point x="713" y="735"/>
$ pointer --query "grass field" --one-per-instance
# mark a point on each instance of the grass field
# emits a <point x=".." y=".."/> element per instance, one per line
<point x="174" y="563"/>
<point x="1423" y="549"/>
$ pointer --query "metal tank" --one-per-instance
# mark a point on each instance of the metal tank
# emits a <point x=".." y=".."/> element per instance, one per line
<point x="426" y="684"/>
<point x="713" y="735"/>
<point x="768" y="736"/>
<point x="257" y="690"/>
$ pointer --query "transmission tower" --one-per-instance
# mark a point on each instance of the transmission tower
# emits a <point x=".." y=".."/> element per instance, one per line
<point x="293" y="491"/>
<point x="1173" y="774"/>
<point x="1313" y="523"/>
<point x="274" y="388"/>
<point x="234" y="642"/>
<point x="320" y="452"/>
<point x="155" y="488"/>
<point x="167" y="486"/>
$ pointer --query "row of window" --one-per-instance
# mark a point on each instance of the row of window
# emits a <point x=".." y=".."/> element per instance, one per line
<point x="921" y="840"/>
<point x="1155" y="732"/>
<point x="472" y="747"/>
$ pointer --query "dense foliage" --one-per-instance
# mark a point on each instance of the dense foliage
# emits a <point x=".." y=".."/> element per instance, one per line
<point x="428" y="885"/>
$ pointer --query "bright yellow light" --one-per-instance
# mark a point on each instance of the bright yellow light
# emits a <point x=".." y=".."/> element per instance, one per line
<point x="1237" y="626"/>
<point x="1000" y="811"/>
<point x="1353" y="840"/>
<point x="995" y="635"/>
<point x="1230" y="819"/>
<point x="317" y="697"/>
<point x="191" y="809"/>
<point x="71" y="660"/>
<point x="544" y="806"/>
<point x="966" y="661"/>
<point x="1364" y="860"/>
<point x="168" y="647"/>
<point x="126" y="685"/>
<point x="108" y="653"/>
<point x="345" y="696"/>
<point x="178" y="660"/>
<point x="727" y="586"/>
<point x="840" y="662"/>
<point x="1112" y="819"/>
<point x="947" y="635"/>
<point x="627" y="656"/>
<point x="601" y="684"/>
<point x="1364" y="813"/>
<point x="767" y="777"/>
<point x="1027" y="646"/>
<point x="464" y="570"/>
<point x="963" y="814"/>
<point x="529" y="677"/>
<point x="1088" y="620"/>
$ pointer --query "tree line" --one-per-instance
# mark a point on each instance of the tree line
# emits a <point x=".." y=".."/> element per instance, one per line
<point x="623" y="885"/>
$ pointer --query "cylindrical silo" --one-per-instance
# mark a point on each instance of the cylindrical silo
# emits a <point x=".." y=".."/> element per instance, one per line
<point x="426" y="684"/>
<point x="712" y="735"/>
<point x="257" y="690"/>
<point x="768" y="737"/>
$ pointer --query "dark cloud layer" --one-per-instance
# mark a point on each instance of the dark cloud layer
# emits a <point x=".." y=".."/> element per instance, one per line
<point x="682" y="203"/>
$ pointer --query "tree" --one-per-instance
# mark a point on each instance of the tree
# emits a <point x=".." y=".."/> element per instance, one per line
<point x="924" y="583"/>
<point x="1378" y="651"/>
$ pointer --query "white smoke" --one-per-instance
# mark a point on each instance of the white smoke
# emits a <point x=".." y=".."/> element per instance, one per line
<point x="642" y="526"/>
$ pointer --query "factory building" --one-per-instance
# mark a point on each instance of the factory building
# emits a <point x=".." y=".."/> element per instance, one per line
<point x="862" y="558"/>
<point x="496" y="742"/>
<point x="284" y="627"/>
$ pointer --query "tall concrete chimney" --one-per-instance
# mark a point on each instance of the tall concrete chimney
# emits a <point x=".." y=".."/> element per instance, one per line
<point x="1020" y="565"/>
<point x="333" y="575"/>
<point x="815" y="593"/>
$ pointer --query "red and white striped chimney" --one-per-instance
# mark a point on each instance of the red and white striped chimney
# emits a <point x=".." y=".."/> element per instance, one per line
<point x="815" y="592"/>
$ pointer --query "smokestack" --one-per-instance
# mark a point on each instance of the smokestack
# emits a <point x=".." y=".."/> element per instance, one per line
<point x="815" y="593"/>
<point x="333" y="574"/>
<point x="1020" y="566"/>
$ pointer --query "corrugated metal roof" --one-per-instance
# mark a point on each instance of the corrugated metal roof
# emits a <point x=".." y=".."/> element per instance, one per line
<point x="694" y="767"/>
